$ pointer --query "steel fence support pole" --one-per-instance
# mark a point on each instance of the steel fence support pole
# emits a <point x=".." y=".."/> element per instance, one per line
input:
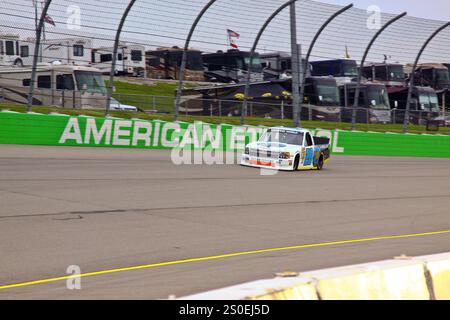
<point x="184" y="58"/>
<point x="252" y="53"/>
<point x="114" y="57"/>
<point x="36" y="54"/>
<point x="412" y="78"/>
<point x="313" y="43"/>
<point x="363" y="60"/>
<point x="296" y="57"/>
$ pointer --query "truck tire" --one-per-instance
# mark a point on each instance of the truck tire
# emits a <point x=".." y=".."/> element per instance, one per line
<point x="320" y="163"/>
<point x="296" y="163"/>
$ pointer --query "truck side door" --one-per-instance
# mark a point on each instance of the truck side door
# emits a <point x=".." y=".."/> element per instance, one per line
<point x="309" y="151"/>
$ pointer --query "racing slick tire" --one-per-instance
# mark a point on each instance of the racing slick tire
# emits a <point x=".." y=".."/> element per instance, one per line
<point x="320" y="163"/>
<point x="296" y="163"/>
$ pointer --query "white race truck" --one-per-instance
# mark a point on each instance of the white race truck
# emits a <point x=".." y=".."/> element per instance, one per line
<point x="287" y="149"/>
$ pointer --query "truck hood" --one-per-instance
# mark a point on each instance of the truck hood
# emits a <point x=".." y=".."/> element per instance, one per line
<point x="274" y="147"/>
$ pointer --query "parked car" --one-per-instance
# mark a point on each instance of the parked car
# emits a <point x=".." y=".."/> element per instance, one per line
<point x="442" y="121"/>
<point x="116" y="105"/>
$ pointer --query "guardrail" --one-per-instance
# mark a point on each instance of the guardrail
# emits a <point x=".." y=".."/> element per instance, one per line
<point x="403" y="278"/>
<point x="83" y="131"/>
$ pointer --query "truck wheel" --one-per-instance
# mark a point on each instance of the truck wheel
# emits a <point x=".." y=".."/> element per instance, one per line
<point x="296" y="163"/>
<point x="320" y="163"/>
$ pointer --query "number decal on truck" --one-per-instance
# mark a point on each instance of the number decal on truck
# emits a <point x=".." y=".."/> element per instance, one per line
<point x="309" y="157"/>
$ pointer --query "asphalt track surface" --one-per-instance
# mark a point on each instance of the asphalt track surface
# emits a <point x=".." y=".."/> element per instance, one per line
<point x="110" y="209"/>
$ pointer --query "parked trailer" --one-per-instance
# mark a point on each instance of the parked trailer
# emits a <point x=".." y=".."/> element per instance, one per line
<point x="130" y="60"/>
<point x="12" y="50"/>
<point x="76" y="51"/>
<point x="66" y="86"/>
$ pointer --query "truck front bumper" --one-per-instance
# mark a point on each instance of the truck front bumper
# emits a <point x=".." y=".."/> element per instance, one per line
<point x="267" y="163"/>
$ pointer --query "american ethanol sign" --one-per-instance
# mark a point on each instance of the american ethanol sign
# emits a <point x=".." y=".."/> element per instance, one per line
<point x="59" y="130"/>
<point x="157" y="134"/>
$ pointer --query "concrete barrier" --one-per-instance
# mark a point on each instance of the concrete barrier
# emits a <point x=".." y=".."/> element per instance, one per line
<point x="403" y="278"/>
<point x="386" y="280"/>
<point x="438" y="270"/>
<point x="273" y="289"/>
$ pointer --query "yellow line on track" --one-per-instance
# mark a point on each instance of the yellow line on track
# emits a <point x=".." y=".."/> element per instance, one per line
<point x="223" y="256"/>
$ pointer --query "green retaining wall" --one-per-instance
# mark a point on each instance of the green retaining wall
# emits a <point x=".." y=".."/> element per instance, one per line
<point x="62" y="130"/>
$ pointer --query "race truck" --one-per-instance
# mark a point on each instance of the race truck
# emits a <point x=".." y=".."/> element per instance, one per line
<point x="287" y="149"/>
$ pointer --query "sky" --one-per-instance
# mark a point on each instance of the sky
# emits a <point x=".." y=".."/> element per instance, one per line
<point x="432" y="9"/>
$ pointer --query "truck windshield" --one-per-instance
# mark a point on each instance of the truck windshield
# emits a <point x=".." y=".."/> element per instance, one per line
<point x="378" y="98"/>
<point x="396" y="73"/>
<point x="287" y="137"/>
<point x="349" y="70"/>
<point x="89" y="81"/>
<point x="428" y="102"/>
<point x="328" y="94"/>
<point x="194" y="61"/>
<point x="442" y="75"/>
<point x="256" y="64"/>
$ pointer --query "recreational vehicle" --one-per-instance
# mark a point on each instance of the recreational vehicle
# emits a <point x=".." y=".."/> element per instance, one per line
<point x="424" y="103"/>
<point x="130" y="59"/>
<point x="165" y="63"/>
<point x="373" y="106"/>
<point x="76" y="51"/>
<point x="278" y="65"/>
<point x="391" y="74"/>
<point x="13" y="51"/>
<point x="344" y="70"/>
<point x="66" y="86"/>
<point x="232" y="66"/>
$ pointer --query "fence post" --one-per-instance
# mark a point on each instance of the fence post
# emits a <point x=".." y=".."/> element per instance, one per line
<point x="36" y="54"/>
<point x="313" y="42"/>
<point x="184" y="57"/>
<point x="252" y="53"/>
<point x="363" y="60"/>
<point x="412" y="78"/>
<point x="114" y="57"/>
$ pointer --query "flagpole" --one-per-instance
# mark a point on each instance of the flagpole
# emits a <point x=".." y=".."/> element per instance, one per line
<point x="35" y="15"/>
<point x="43" y="27"/>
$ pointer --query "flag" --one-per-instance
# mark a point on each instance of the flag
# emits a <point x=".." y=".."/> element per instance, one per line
<point x="233" y="44"/>
<point x="232" y="34"/>
<point x="49" y="20"/>
<point x="347" y="55"/>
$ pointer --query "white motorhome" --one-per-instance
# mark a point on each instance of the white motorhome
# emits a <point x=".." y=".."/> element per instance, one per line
<point x="13" y="52"/>
<point x="76" y="51"/>
<point x="67" y="86"/>
<point x="130" y="59"/>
